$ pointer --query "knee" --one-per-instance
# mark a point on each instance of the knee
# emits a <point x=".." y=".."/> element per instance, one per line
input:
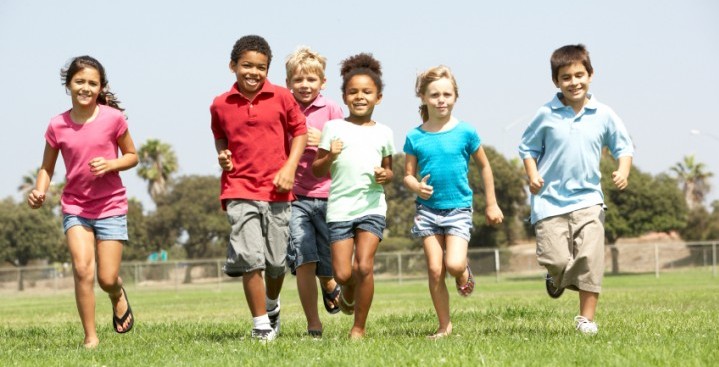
<point x="108" y="283"/>
<point x="435" y="273"/>
<point x="456" y="268"/>
<point x="342" y="276"/>
<point x="364" y="268"/>
<point x="84" y="272"/>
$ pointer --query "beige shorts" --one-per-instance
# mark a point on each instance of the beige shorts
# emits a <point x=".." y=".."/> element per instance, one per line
<point x="258" y="239"/>
<point x="571" y="247"/>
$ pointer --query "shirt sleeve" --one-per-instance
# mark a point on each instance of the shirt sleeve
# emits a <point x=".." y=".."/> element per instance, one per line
<point x="617" y="139"/>
<point x="296" y="120"/>
<point x="50" y="137"/>
<point x="408" y="146"/>
<point x="121" y="125"/>
<point x="473" y="141"/>
<point x="217" y="131"/>
<point x="388" y="148"/>
<point x="325" y="138"/>
<point x="532" y="143"/>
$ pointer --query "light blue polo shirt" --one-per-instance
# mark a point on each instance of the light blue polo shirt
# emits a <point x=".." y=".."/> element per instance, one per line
<point x="568" y="147"/>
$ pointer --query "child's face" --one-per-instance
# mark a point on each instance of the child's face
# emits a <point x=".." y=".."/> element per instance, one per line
<point x="251" y="71"/>
<point x="439" y="98"/>
<point x="573" y="81"/>
<point x="85" y="87"/>
<point x="361" y="95"/>
<point x="305" y="86"/>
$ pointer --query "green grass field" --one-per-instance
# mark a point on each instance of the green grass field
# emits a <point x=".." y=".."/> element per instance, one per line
<point x="669" y="321"/>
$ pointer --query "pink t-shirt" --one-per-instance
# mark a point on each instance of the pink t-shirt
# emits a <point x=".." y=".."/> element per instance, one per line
<point x="86" y="195"/>
<point x="318" y="112"/>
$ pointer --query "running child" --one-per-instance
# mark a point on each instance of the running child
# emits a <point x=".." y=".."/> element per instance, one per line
<point x="308" y="252"/>
<point x="93" y="201"/>
<point x="357" y="151"/>
<point x="439" y="151"/>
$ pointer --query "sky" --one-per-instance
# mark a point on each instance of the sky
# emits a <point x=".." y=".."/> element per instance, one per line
<point x="655" y="64"/>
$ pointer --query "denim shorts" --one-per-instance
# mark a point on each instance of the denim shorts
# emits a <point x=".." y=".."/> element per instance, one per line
<point x="429" y="222"/>
<point x="110" y="228"/>
<point x="309" y="236"/>
<point x="372" y="223"/>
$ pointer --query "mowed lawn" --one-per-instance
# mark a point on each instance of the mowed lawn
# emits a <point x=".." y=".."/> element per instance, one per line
<point x="670" y="321"/>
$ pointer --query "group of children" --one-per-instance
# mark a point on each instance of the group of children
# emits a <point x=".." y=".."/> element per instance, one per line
<point x="302" y="184"/>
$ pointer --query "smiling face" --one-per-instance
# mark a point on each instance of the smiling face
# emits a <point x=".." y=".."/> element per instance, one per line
<point x="361" y="95"/>
<point x="251" y="71"/>
<point x="573" y="81"/>
<point x="440" y="99"/>
<point x="305" y="86"/>
<point x="84" y="88"/>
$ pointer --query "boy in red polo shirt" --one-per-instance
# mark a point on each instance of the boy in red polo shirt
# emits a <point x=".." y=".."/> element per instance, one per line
<point x="251" y="124"/>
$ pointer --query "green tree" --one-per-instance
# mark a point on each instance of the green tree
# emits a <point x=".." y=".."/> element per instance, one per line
<point x="648" y="204"/>
<point x="157" y="163"/>
<point x="27" y="234"/>
<point x="139" y="245"/>
<point x="400" y="204"/>
<point x="694" y="179"/>
<point x="190" y="215"/>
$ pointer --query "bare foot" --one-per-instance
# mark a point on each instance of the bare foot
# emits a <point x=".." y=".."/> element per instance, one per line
<point x="441" y="333"/>
<point x="356" y="333"/>
<point x="91" y="343"/>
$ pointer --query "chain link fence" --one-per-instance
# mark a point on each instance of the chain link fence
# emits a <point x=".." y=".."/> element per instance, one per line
<point x="501" y="264"/>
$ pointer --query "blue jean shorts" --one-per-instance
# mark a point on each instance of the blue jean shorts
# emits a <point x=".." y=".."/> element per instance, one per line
<point x="309" y="236"/>
<point x="110" y="228"/>
<point x="372" y="223"/>
<point x="429" y="222"/>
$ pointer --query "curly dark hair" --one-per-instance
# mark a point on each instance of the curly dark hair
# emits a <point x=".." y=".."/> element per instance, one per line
<point x="251" y="43"/>
<point x="361" y="64"/>
<point x="81" y="62"/>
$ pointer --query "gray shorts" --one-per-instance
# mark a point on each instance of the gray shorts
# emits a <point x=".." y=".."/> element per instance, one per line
<point x="258" y="239"/>
<point x="571" y="247"/>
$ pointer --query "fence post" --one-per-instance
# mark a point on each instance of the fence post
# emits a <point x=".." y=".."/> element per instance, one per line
<point x="399" y="266"/>
<point x="656" y="260"/>
<point x="177" y="265"/>
<point x="496" y="264"/>
<point x="714" y="259"/>
<point x="219" y="277"/>
<point x="138" y="270"/>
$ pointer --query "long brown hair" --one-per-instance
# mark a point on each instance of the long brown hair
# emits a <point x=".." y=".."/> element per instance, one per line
<point x="81" y="62"/>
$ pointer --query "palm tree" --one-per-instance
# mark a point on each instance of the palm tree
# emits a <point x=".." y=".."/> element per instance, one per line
<point x="694" y="179"/>
<point x="27" y="183"/>
<point x="157" y="163"/>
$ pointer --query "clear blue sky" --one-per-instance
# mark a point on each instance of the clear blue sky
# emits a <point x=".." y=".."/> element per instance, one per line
<point x="655" y="64"/>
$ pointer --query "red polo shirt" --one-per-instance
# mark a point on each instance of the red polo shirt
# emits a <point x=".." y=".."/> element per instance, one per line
<point x="256" y="132"/>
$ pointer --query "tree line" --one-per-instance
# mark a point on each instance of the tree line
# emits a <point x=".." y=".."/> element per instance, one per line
<point x="189" y="223"/>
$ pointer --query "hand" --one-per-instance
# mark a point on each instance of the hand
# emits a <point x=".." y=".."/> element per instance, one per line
<point x="620" y="181"/>
<point x="425" y="190"/>
<point x="381" y="176"/>
<point x="224" y="157"/>
<point x="313" y="136"/>
<point x="36" y="198"/>
<point x="336" y="147"/>
<point x="493" y="214"/>
<point x="535" y="184"/>
<point x="284" y="179"/>
<point x="99" y="166"/>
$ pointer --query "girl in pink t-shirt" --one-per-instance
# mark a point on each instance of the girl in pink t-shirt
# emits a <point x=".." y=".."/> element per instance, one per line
<point x="94" y="203"/>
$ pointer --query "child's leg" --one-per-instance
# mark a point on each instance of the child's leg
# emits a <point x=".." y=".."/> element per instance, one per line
<point x="588" y="304"/>
<point x="434" y="253"/>
<point x="342" y="252"/>
<point x="456" y="258"/>
<point x="363" y="269"/>
<point x="254" y="288"/>
<point x="109" y="255"/>
<point x="307" y="288"/>
<point x="81" y="242"/>
<point x="274" y="285"/>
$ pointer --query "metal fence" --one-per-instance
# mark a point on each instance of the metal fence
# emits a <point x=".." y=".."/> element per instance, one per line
<point x="500" y="264"/>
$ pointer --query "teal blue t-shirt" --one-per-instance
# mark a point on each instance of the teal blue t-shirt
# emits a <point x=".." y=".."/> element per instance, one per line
<point x="444" y="155"/>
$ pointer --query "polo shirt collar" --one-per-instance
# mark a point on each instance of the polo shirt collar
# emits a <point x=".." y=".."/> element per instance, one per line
<point x="320" y="101"/>
<point x="267" y="87"/>
<point x="557" y="104"/>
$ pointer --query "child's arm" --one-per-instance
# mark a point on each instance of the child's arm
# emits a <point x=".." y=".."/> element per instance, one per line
<point x="383" y="175"/>
<point x="323" y="160"/>
<point x="421" y="188"/>
<point x="285" y="177"/>
<point x="37" y="196"/>
<point x="621" y="175"/>
<point x="224" y="155"/>
<point x="535" y="180"/>
<point x="313" y="136"/>
<point x="99" y="166"/>
<point x="492" y="212"/>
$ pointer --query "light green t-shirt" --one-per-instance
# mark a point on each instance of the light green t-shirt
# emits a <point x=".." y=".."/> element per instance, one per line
<point x="354" y="192"/>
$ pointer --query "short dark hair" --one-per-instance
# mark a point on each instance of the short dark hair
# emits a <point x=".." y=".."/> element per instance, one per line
<point x="568" y="55"/>
<point x="251" y="43"/>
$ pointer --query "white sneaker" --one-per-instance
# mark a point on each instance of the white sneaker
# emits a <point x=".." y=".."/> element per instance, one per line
<point x="274" y="316"/>
<point x="585" y="326"/>
<point x="264" y="335"/>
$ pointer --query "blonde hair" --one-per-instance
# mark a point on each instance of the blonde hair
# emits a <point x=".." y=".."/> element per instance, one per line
<point x="428" y="76"/>
<point x="307" y="60"/>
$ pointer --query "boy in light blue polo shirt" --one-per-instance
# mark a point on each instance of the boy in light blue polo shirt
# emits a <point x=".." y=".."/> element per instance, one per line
<point x="561" y="149"/>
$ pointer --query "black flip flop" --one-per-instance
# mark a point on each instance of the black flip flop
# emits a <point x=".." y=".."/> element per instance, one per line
<point x="329" y="300"/>
<point x="118" y="321"/>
